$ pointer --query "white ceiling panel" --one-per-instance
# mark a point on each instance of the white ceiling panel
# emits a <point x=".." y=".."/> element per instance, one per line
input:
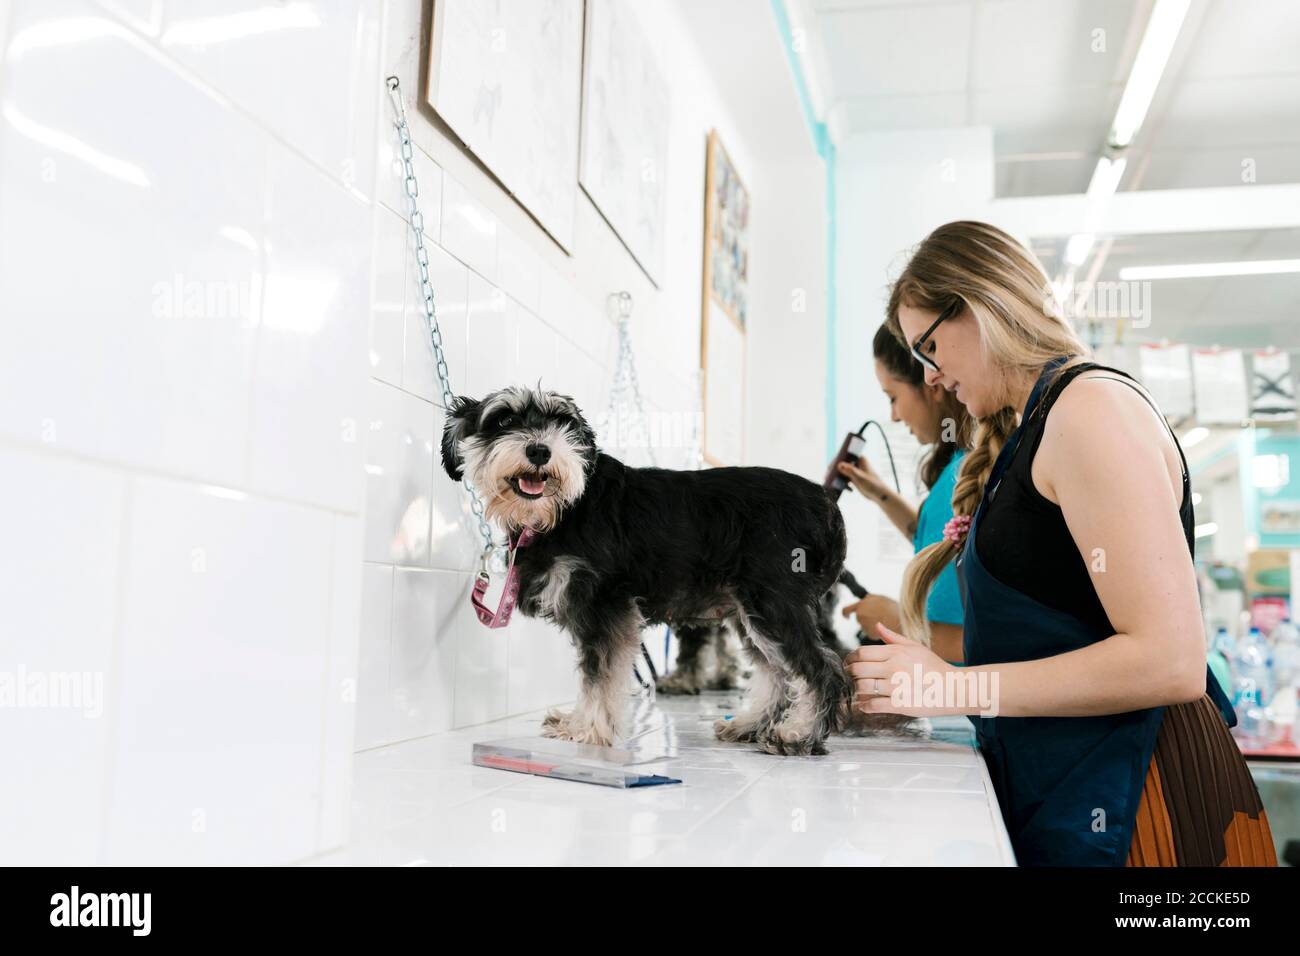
<point x="1058" y="44"/>
<point x="897" y="50"/>
<point x="1246" y="38"/>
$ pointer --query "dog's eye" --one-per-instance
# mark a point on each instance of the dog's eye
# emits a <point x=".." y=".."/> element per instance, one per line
<point x="507" y="421"/>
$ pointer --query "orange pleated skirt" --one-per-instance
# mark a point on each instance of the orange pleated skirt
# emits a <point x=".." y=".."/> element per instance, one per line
<point x="1200" y="805"/>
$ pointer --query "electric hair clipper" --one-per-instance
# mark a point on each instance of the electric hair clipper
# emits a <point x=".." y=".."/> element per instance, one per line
<point x="850" y="451"/>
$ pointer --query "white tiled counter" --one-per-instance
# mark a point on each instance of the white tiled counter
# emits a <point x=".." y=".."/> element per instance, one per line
<point x="917" y="800"/>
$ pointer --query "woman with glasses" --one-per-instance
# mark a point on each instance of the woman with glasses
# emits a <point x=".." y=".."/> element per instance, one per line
<point x="1105" y="735"/>
<point x="935" y="418"/>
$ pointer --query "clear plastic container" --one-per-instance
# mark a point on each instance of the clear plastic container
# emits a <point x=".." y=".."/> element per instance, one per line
<point x="567" y="760"/>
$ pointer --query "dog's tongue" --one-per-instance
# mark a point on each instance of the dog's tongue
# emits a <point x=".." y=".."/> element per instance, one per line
<point x="532" y="486"/>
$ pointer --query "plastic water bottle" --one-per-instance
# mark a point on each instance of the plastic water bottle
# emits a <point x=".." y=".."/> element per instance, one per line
<point x="1286" y="653"/>
<point x="1221" y="653"/>
<point x="1255" y="660"/>
<point x="1251" y="688"/>
<point x="1286" y="677"/>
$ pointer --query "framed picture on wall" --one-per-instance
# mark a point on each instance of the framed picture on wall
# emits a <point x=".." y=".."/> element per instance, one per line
<point x="625" y="116"/>
<point x="507" y="78"/>
<point x="725" y="306"/>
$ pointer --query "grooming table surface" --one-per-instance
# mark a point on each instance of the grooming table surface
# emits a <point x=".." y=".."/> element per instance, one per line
<point x="920" y="800"/>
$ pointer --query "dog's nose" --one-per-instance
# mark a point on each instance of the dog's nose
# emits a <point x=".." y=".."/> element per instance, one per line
<point x="538" y="454"/>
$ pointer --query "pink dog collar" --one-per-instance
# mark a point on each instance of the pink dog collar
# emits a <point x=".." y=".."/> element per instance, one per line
<point x="510" y="594"/>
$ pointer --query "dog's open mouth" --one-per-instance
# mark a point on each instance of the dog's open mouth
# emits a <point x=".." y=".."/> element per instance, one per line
<point x="530" y="485"/>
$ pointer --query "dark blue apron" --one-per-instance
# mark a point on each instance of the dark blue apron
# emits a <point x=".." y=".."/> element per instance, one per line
<point x="1069" y="787"/>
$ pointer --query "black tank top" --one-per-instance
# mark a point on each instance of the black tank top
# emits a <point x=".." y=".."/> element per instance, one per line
<point x="1023" y="539"/>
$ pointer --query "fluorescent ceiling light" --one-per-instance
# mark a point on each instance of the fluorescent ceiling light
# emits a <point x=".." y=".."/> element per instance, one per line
<point x="1198" y="270"/>
<point x="1157" y="43"/>
<point x="1195" y="436"/>
<point x="1105" y="180"/>
<point x="1077" y="249"/>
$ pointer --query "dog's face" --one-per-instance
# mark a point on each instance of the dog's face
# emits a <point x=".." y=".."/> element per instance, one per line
<point x="527" y="452"/>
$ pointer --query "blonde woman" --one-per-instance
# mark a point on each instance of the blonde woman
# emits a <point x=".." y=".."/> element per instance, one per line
<point x="1073" y="540"/>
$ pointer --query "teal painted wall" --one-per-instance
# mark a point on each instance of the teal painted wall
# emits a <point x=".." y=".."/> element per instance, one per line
<point x="1263" y="441"/>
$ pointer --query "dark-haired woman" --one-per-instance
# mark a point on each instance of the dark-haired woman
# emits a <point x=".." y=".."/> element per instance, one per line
<point x="937" y="419"/>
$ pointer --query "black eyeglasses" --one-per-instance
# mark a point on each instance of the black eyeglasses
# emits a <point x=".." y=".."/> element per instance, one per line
<point x="919" y="344"/>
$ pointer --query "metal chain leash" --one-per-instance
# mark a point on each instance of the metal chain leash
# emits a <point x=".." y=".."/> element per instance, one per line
<point x="416" y="222"/>
<point x="625" y="377"/>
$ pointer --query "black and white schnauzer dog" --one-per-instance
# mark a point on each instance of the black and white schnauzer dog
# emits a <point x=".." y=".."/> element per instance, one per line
<point x="619" y="548"/>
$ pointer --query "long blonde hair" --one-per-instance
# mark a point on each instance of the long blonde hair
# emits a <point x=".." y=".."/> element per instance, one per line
<point x="1021" y="330"/>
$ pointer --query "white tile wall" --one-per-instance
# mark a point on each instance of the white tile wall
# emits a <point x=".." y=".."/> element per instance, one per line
<point x="224" y="672"/>
<point x="469" y="229"/>
<point x="388" y="297"/>
<point x="422" y="669"/>
<point x="219" y="420"/>
<point x="94" y="334"/>
<point x="185" y="284"/>
<point x="374" y="722"/>
<point x="315" y="296"/>
<point x="399" y="477"/>
<point x="62" y="524"/>
<point x="299" y="68"/>
<point x="340" y="697"/>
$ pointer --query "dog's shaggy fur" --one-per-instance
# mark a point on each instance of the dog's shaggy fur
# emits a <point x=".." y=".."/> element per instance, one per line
<point x="620" y="548"/>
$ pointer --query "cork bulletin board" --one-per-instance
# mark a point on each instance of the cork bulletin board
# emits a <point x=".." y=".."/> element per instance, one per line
<point x="725" y="307"/>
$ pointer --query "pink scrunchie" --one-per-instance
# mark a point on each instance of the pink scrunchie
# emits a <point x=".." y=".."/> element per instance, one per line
<point x="956" y="528"/>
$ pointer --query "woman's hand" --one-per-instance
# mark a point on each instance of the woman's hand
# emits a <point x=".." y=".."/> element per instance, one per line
<point x="885" y="678"/>
<point x="864" y="478"/>
<point x="872" y="610"/>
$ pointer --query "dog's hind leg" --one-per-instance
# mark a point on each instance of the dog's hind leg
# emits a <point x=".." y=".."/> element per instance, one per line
<point x="608" y="645"/>
<point x="767" y="696"/>
<point x="764" y="703"/>
<point x="818" y="684"/>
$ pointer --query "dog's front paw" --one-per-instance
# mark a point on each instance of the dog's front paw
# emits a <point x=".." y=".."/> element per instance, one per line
<point x="589" y="735"/>
<point x="561" y="725"/>
<point x="733" y="730"/>
<point x="789" y="745"/>
<point x="555" y="724"/>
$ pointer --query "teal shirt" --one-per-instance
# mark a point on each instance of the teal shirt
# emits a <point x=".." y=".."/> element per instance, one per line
<point x="945" y="600"/>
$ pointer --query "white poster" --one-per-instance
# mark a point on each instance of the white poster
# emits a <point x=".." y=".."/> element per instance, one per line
<point x="1167" y="374"/>
<point x="1220" y="378"/>
<point x="1125" y="357"/>
<point x="625" y="131"/>
<point x="1272" y="389"/>
<point x="506" y="76"/>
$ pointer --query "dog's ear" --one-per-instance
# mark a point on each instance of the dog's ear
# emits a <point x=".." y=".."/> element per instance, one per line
<point x="588" y="438"/>
<point x="462" y="422"/>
